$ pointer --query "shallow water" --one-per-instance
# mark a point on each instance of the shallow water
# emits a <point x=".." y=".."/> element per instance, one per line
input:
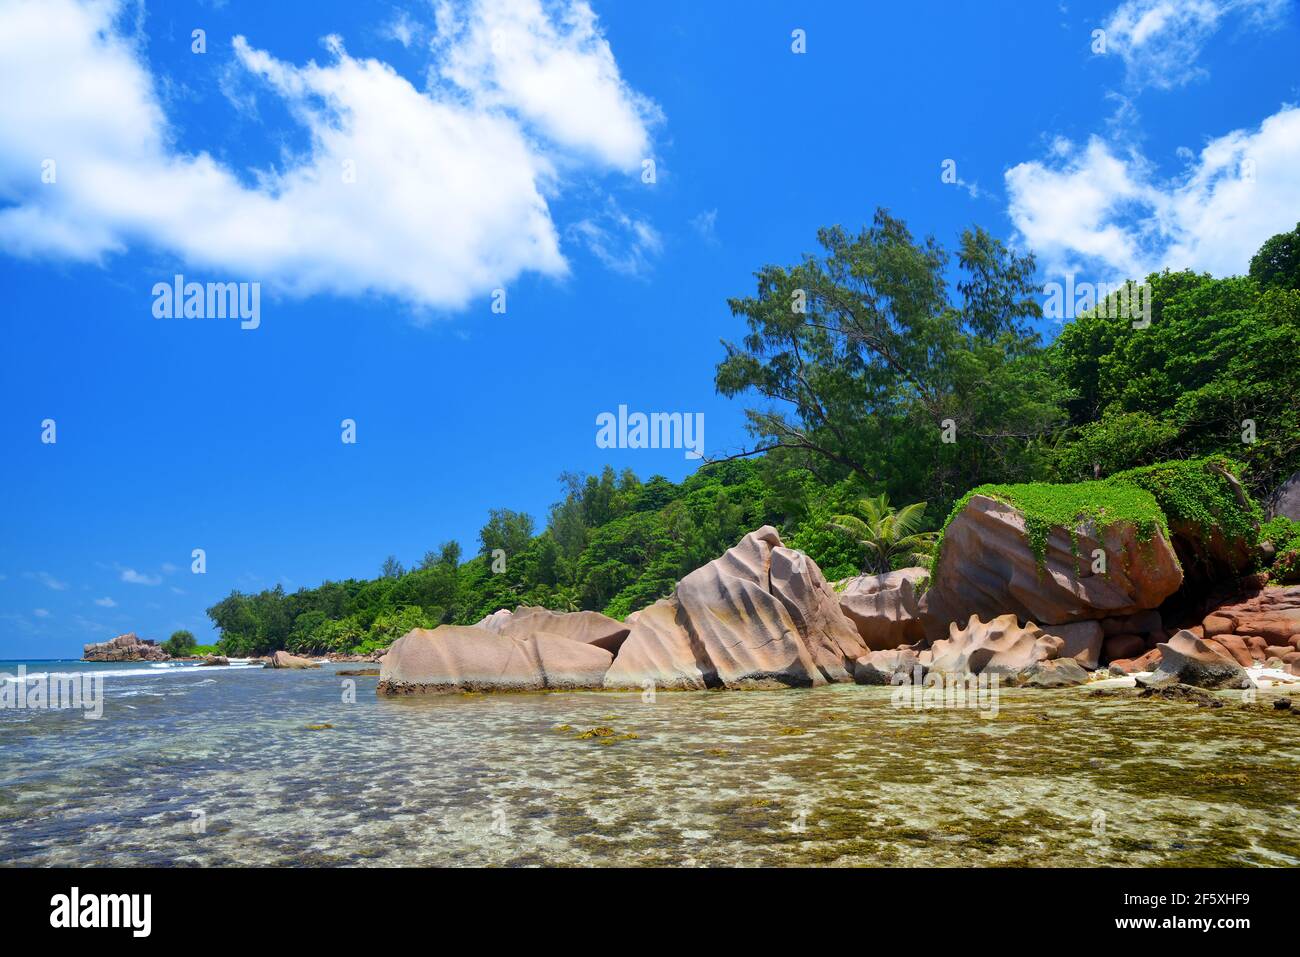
<point x="217" y="766"/>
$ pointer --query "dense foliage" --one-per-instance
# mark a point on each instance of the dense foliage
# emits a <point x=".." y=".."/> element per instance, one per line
<point x="886" y="366"/>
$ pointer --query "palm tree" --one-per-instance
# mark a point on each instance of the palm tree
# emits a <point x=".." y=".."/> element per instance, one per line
<point x="885" y="532"/>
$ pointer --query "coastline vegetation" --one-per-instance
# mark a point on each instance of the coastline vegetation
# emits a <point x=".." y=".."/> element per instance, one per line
<point x="887" y="366"/>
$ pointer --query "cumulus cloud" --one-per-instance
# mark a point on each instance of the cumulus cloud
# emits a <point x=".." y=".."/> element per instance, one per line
<point x="557" y="72"/>
<point x="431" y="196"/>
<point x="1160" y="40"/>
<point x="133" y="577"/>
<point x="1093" y="207"/>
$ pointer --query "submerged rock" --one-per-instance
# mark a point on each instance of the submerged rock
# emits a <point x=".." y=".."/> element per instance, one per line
<point x="989" y="567"/>
<point x="128" y="647"/>
<point x="885" y="609"/>
<point x="761" y="615"/>
<point x="282" y="659"/>
<point x="467" y="658"/>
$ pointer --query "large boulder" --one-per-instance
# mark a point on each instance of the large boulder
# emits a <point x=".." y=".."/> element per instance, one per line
<point x="1053" y="673"/>
<point x="886" y="609"/>
<point x="282" y="659"/>
<point x="128" y="647"/>
<point x="761" y="615"/>
<point x="1285" y="500"/>
<point x="467" y="658"/>
<point x="1186" y="659"/>
<point x="988" y="565"/>
<point x="999" y="646"/>
<point x="660" y="651"/>
<point x="587" y="627"/>
<point x="1213" y="524"/>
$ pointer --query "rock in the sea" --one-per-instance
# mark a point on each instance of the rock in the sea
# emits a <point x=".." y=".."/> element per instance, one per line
<point x="880" y="667"/>
<point x="467" y="658"/>
<point x="128" y="647"/>
<point x="1186" y="659"/>
<point x="999" y="646"/>
<point x="761" y="615"/>
<point x="988" y="567"/>
<point x="282" y="659"/>
<point x="885" y="609"/>
<point x="213" y="660"/>
<point x="588" y="627"/>
<point x="1081" y="640"/>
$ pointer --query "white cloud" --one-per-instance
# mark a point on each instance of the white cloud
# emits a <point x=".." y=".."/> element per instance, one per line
<point x="105" y="602"/>
<point x="41" y="612"/>
<point x="449" y="194"/>
<point x="623" y="243"/>
<point x="1097" y="209"/>
<point x="706" y="224"/>
<point x="556" y="71"/>
<point x="133" y="577"/>
<point x="48" y="580"/>
<point x="1160" y="40"/>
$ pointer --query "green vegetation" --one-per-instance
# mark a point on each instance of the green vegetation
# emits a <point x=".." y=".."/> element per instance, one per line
<point x="181" y="644"/>
<point x="1103" y="503"/>
<point x="892" y="538"/>
<point x="1201" y="496"/>
<point x="887" y="366"/>
<point x="1284" y="533"/>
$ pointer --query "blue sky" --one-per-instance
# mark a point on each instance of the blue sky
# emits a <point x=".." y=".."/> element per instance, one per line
<point x="499" y="144"/>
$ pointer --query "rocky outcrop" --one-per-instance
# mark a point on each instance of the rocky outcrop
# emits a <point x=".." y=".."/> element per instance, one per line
<point x="587" y="627"/>
<point x="761" y="615"/>
<point x="468" y="658"/>
<point x="210" y="661"/>
<point x="1186" y="659"/>
<point x="1000" y="646"/>
<point x="885" y="609"/>
<point x="282" y="659"/>
<point x="988" y="567"/>
<point x="1272" y="613"/>
<point x="128" y="647"/>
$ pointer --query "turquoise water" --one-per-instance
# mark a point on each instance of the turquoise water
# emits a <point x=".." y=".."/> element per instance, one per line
<point x="218" y="766"/>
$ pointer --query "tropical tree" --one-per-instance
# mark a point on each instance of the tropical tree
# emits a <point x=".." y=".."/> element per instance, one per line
<point x="886" y="533"/>
<point x="180" y="643"/>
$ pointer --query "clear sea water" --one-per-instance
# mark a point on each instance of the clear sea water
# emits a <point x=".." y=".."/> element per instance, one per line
<point x="198" y="766"/>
